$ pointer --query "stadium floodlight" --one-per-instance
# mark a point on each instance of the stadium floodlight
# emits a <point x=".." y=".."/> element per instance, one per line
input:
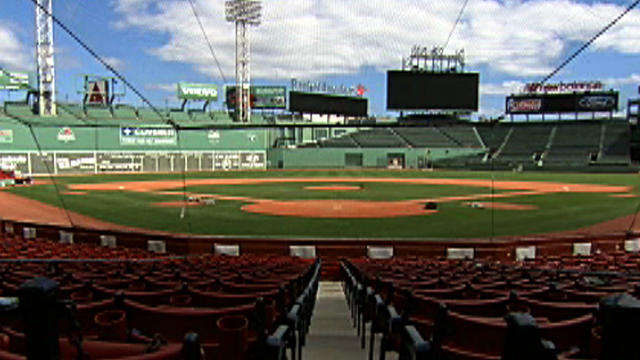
<point x="44" y="55"/>
<point x="243" y="13"/>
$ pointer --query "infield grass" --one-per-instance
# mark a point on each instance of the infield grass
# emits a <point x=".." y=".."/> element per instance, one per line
<point x="555" y="212"/>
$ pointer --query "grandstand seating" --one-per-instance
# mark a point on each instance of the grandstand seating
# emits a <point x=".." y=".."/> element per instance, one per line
<point x="615" y="147"/>
<point x="124" y="111"/>
<point x="464" y="136"/>
<point x="19" y="109"/>
<point x="494" y="135"/>
<point x="524" y="141"/>
<point x="180" y="116"/>
<point x="73" y="110"/>
<point x="343" y="141"/>
<point x="574" y="144"/>
<point x="378" y="138"/>
<point x="99" y="112"/>
<point x="465" y="308"/>
<point x="425" y="137"/>
<point x="149" y="115"/>
<point x="141" y="306"/>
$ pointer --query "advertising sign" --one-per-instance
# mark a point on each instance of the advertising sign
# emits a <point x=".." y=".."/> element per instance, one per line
<point x="14" y="80"/>
<point x="6" y="136"/>
<point x="191" y="91"/>
<point x="75" y="163"/>
<point x="14" y="162"/>
<point x="262" y="97"/>
<point x="526" y="105"/>
<point x="326" y="88"/>
<point x="563" y="87"/>
<point x="66" y="135"/>
<point x="98" y="93"/>
<point x="559" y="103"/>
<point x="233" y="160"/>
<point x="148" y="136"/>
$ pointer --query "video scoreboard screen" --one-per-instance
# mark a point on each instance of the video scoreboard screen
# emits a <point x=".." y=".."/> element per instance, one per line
<point x="414" y="90"/>
<point x="313" y="103"/>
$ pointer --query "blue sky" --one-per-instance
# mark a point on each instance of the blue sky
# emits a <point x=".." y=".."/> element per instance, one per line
<point x="155" y="44"/>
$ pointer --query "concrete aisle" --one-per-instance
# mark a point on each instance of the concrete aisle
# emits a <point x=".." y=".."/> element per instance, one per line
<point x="332" y="336"/>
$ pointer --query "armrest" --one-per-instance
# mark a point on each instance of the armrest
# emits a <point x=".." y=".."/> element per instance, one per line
<point x="294" y="316"/>
<point x="415" y="346"/>
<point x="277" y="343"/>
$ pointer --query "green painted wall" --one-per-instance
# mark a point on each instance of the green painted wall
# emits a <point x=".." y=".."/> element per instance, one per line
<point x="87" y="138"/>
<point x="307" y="158"/>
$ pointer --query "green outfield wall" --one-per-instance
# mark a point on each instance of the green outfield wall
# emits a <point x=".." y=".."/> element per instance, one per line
<point x="48" y="149"/>
<point x="331" y="158"/>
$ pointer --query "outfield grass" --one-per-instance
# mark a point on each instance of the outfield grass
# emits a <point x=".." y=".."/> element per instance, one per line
<point x="556" y="212"/>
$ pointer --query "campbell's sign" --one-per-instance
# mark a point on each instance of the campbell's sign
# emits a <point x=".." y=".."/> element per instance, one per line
<point x="562" y="87"/>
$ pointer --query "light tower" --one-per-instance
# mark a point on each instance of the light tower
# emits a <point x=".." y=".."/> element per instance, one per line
<point x="44" y="54"/>
<point x="243" y="13"/>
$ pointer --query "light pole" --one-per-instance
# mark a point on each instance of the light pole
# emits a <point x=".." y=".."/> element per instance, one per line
<point x="44" y="54"/>
<point x="243" y="13"/>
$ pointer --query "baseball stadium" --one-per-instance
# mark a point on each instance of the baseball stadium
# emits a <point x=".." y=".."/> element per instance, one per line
<point x="261" y="218"/>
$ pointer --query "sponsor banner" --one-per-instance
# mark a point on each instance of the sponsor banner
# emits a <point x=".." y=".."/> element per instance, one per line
<point x="66" y="135"/>
<point x="6" y="136"/>
<point x="148" y="136"/>
<point x="326" y="88"/>
<point x="214" y="136"/>
<point x="234" y="160"/>
<point x="13" y="162"/>
<point x="604" y="102"/>
<point x="120" y="162"/>
<point x="262" y="97"/>
<point x="524" y="105"/>
<point x="191" y="91"/>
<point x="98" y="93"/>
<point x="70" y="163"/>
<point x="15" y="80"/>
<point x="534" y="88"/>
<point x="561" y="103"/>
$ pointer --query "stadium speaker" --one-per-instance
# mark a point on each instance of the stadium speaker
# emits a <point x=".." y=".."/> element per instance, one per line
<point x="431" y="205"/>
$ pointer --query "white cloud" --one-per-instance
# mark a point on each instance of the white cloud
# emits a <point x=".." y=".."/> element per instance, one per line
<point x="501" y="89"/>
<point x="161" y="87"/>
<point x="115" y="62"/>
<point x="633" y="79"/>
<point x="310" y="38"/>
<point x="13" y="54"/>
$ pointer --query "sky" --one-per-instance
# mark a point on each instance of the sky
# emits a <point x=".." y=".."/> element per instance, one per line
<point x="156" y="44"/>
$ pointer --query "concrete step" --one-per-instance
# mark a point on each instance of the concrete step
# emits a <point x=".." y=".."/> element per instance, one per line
<point x="332" y="335"/>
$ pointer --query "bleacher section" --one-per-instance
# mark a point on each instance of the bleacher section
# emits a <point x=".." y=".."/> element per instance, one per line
<point x="494" y="135"/>
<point x="378" y="138"/>
<point x="556" y="145"/>
<point x="425" y="137"/>
<point x="575" y="145"/>
<point x="343" y="141"/>
<point x="524" y="142"/>
<point x="464" y="136"/>
<point x="615" y="145"/>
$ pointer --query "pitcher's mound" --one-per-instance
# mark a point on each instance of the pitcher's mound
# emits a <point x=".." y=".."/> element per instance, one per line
<point x="338" y="208"/>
